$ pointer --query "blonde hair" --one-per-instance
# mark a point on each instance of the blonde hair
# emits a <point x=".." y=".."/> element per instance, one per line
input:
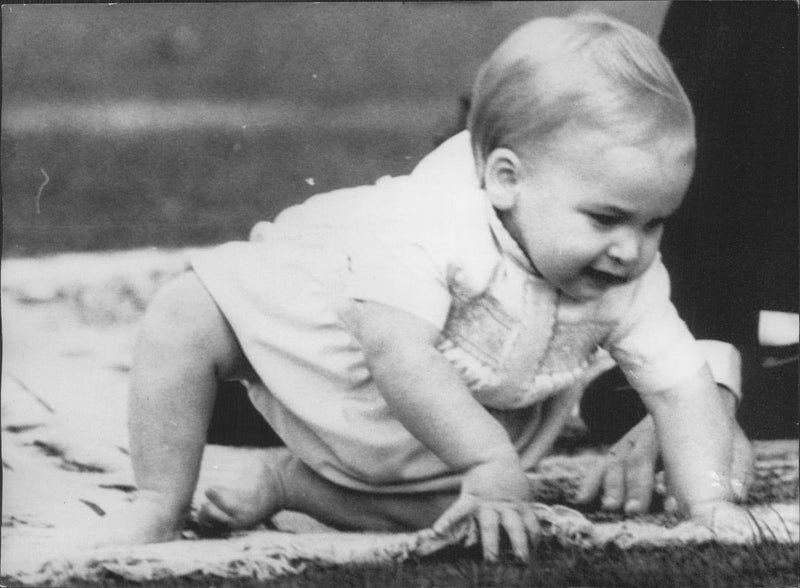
<point x="587" y="68"/>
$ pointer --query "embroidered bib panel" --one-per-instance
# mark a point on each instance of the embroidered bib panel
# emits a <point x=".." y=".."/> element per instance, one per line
<point x="508" y="343"/>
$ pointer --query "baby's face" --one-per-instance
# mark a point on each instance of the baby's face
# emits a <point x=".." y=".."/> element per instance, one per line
<point x="590" y="211"/>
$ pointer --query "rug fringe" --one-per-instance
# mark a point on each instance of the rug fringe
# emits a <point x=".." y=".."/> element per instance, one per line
<point x="264" y="555"/>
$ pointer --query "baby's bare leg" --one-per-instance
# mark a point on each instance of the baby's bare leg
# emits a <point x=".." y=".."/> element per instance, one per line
<point x="308" y="492"/>
<point x="184" y="349"/>
<point x="288" y="483"/>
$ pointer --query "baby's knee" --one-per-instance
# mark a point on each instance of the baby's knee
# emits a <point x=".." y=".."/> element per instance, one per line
<point x="180" y="307"/>
<point x="183" y="319"/>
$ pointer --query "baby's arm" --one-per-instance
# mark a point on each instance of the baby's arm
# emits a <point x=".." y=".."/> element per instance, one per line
<point x="425" y="394"/>
<point x="664" y="363"/>
<point x="626" y="477"/>
<point x="695" y="433"/>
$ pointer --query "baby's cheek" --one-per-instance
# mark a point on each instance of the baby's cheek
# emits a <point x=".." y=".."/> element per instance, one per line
<point x="649" y="252"/>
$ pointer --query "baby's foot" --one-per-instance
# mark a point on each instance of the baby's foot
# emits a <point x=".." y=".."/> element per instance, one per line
<point x="258" y="495"/>
<point x="145" y="520"/>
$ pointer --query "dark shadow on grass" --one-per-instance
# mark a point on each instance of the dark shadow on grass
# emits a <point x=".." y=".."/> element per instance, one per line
<point x="706" y="566"/>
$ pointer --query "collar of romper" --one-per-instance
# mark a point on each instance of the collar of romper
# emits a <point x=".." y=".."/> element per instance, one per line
<point x="507" y="243"/>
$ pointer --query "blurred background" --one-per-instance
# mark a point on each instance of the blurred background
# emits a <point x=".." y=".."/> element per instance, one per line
<point x="171" y="125"/>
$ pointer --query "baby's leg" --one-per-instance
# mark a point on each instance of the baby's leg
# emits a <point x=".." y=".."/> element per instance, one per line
<point x="307" y="491"/>
<point x="288" y="483"/>
<point x="185" y="347"/>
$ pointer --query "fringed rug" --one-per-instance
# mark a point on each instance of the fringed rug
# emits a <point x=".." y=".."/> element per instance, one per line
<point x="68" y="327"/>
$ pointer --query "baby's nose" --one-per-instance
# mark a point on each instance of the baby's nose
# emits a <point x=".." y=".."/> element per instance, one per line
<point x="625" y="250"/>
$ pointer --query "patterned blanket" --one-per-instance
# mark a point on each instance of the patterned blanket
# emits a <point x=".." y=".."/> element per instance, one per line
<point x="68" y="327"/>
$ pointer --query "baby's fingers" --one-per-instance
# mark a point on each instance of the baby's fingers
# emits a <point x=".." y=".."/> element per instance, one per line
<point x="589" y="487"/>
<point x="614" y="486"/>
<point x="460" y="510"/>
<point x="519" y="523"/>
<point x="639" y="481"/>
<point x="489" y="523"/>
<point x="522" y="528"/>
<point x="531" y="522"/>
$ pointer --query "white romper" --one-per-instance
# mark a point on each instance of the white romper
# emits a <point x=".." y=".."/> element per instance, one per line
<point x="434" y="247"/>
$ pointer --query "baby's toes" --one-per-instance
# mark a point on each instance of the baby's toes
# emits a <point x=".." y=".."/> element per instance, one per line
<point x="219" y="510"/>
<point x="239" y="508"/>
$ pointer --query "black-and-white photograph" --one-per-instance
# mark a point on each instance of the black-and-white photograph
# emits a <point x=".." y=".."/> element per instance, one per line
<point x="400" y="294"/>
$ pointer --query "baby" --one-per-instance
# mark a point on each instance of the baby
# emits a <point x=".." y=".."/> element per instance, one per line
<point x="418" y="343"/>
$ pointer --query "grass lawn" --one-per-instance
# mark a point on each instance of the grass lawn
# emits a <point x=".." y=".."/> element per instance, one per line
<point x="704" y="566"/>
<point x="184" y="188"/>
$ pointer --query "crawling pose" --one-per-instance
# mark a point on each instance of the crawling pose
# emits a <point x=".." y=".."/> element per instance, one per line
<point x="417" y="343"/>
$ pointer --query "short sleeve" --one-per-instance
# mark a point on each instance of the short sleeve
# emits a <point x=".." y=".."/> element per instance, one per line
<point x="405" y="255"/>
<point x="651" y="343"/>
<point x="725" y="363"/>
<point x="406" y="275"/>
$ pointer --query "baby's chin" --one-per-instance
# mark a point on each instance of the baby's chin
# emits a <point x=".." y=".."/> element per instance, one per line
<point x="585" y="289"/>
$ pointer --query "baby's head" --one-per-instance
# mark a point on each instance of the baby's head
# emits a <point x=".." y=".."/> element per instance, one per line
<point x="587" y="69"/>
<point x="584" y="142"/>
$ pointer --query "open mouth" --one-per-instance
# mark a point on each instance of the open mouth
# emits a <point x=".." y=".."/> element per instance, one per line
<point x="605" y="279"/>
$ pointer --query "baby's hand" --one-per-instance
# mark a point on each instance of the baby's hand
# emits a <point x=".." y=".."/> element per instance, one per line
<point x="496" y="494"/>
<point x="726" y="520"/>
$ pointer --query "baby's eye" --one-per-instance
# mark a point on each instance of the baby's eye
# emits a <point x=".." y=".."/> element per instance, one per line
<point x="656" y="223"/>
<point x="606" y="220"/>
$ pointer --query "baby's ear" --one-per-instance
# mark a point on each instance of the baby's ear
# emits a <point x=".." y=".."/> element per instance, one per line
<point x="501" y="178"/>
